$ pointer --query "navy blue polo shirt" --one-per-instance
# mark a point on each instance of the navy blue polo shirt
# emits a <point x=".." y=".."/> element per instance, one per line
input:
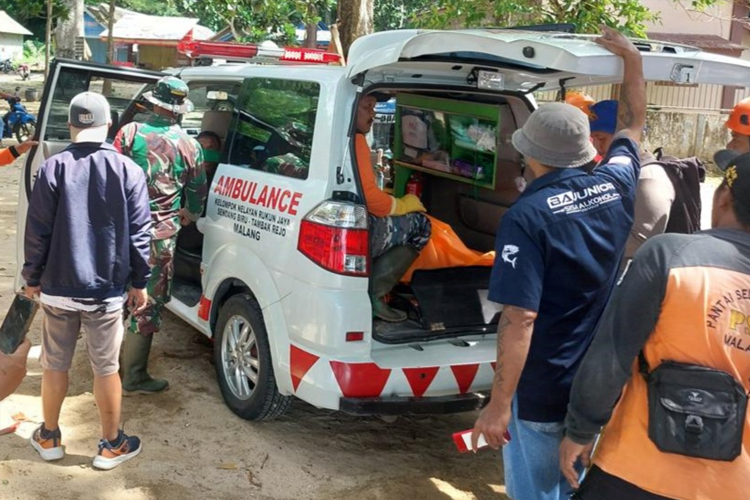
<point x="558" y="250"/>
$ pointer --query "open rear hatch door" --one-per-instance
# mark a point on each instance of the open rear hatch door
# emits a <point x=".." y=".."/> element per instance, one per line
<point x="528" y="60"/>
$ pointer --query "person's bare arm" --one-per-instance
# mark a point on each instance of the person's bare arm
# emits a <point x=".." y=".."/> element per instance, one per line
<point x="513" y="341"/>
<point x="25" y="146"/>
<point x="631" y="110"/>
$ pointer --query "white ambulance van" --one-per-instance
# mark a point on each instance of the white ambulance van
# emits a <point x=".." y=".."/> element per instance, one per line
<point x="280" y="279"/>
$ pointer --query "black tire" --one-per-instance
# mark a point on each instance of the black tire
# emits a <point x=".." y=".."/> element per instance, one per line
<point x="250" y="399"/>
<point x="24" y="131"/>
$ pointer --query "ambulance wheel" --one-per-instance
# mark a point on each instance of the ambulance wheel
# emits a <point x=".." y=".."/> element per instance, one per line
<point x="242" y="358"/>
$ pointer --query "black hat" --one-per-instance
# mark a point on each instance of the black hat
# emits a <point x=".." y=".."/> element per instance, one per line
<point x="380" y="96"/>
<point x="736" y="168"/>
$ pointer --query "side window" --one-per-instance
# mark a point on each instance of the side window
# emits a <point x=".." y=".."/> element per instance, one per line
<point x="273" y="126"/>
<point x="212" y="102"/>
<point x="120" y="90"/>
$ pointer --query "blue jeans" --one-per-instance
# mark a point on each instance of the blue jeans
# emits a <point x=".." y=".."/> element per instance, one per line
<point x="532" y="466"/>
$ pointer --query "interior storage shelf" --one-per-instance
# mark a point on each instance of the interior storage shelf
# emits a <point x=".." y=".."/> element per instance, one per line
<point x="447" y="138"/>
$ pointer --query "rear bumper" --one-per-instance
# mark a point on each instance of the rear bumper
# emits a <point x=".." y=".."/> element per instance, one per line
<point x="395" y="405"/>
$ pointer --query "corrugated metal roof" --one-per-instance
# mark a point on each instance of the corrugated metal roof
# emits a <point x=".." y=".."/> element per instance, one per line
<point x="101" y="13"/>
<point x="157" y="28"/>
<point x="10" y="25"/>
<point x="705" y="42"/>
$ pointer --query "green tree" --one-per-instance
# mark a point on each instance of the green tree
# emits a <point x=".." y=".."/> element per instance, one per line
<point x="32" y="13"/>
<point x="249" y="20"/>
<point x="397" y="14"/>
<point x="147" y="7"/>
<point x="587" y="15"/>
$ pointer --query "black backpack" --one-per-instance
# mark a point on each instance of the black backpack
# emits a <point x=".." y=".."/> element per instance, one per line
<point x="686" y="175"/>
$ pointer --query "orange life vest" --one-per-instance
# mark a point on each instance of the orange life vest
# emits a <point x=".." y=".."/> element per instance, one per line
<point x="705" y="320"/>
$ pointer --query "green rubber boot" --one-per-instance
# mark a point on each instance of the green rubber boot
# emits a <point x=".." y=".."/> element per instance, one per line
<point x="386" y="271"/>
<point x="135" y="377"/>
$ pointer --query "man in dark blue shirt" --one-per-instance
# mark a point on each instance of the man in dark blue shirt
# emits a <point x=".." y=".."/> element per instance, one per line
<point x="558" y="250"/>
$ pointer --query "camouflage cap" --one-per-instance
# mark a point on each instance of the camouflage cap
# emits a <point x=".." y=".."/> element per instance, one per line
<point x="170" y="93"/>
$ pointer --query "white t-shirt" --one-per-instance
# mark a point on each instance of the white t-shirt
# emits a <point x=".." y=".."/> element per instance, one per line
<point x="110" y="304"/>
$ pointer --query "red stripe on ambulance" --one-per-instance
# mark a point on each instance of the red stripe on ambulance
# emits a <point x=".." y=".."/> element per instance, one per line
<point x="465" y="375"/>
<point x="420" y="378"/>
<point x="360" y="380"/>
<point x="300" y="363"/>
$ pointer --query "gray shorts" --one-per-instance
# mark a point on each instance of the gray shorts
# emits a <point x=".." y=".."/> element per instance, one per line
<point x="104" y="331"/>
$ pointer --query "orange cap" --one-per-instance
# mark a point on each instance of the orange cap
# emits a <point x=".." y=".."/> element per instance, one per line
<point x="739" y="118"/>
<point x="580" y="100"/>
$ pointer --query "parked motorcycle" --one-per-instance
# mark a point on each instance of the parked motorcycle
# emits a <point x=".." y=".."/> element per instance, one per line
<point x="18" y="121"/>
<point x="6" y="66"/>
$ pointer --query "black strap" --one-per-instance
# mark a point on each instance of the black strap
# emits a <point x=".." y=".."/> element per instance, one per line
<point x="643" y="364"/>
<point x="14" y="152"/>
<point x="644" y="368"/>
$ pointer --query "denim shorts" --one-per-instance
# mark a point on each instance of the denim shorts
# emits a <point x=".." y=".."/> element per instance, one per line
<point x="531" y="460"/>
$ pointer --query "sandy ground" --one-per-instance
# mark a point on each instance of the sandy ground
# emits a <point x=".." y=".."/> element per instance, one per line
<point x="195" y="448"/>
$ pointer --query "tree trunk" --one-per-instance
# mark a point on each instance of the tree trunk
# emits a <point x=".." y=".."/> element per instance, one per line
<point x="69" y="30"/>
<point x="355" y="20"/>
<point x="311" y="35"/>
<point x="48" y="39"/>
<point x="107" y="84"/>
<point x="311" y="28"/>
<point x="110" y="27"/>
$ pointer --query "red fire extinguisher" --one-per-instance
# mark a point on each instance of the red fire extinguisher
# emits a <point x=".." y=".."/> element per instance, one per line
<point x="415" y="184"/>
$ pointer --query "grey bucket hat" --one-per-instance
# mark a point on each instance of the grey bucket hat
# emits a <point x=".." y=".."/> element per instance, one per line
<point x="556" y="135"/>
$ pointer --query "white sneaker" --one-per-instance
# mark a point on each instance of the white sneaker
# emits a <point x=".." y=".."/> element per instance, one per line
<point x="110" y="456"/>
<point x="50" y="446"/>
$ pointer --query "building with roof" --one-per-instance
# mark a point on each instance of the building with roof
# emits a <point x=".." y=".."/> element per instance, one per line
<point x="11" y="37"/>
<point x="95" y="19"/>
<point x="705" y="42"/>
<point x="151" y="41"/>
<point x="720" y="28"/>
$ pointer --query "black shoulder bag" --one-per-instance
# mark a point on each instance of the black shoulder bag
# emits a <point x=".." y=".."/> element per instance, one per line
<point x="694" y="410"/>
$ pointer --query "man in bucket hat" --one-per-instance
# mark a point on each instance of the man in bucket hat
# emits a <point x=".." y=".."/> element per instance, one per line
<point x="558" y="250"/>
<point x="173" y="163"/>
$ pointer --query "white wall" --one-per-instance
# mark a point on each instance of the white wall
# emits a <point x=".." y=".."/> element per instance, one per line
<point x="11" y="46"/>
<point x="675" y="18"/>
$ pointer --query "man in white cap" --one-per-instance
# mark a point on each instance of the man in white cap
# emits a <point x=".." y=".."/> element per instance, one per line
<point x="86" y="242"/>
<point x="558" y="250"/>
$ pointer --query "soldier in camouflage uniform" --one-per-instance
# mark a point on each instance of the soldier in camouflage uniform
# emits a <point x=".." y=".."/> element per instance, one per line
<point x="173" y="163"/>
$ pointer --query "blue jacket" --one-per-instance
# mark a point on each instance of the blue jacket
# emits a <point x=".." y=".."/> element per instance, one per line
<point x="88" y="224"/>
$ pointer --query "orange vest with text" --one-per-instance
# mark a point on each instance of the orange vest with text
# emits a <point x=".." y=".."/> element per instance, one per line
<point x="704" y="320"/>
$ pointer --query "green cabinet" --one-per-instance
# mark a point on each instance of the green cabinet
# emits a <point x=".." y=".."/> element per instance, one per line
<point x="447" y="138"/>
